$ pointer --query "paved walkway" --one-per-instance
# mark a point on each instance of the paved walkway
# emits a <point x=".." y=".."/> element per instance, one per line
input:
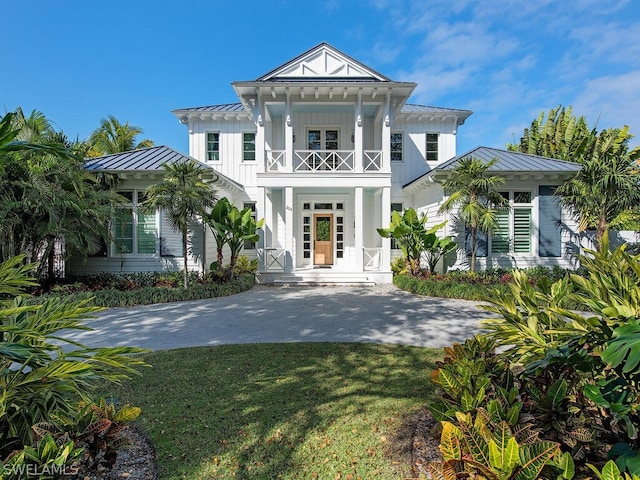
<point x="377" y="314"/>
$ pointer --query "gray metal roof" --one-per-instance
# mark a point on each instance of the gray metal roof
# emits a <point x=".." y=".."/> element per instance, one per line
<point x="413" y="108"/>
<point x="509" y="161"/>
<point x="146" y="159"/>
<point x="407" y="108"/>
<point x="224" y="108"/>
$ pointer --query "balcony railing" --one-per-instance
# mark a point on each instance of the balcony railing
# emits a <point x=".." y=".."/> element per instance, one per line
<point x="322" y="161"/>
<point x="372" y="258"/>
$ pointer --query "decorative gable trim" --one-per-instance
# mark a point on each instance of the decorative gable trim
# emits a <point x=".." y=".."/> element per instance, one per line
<point x="323" y="62"/>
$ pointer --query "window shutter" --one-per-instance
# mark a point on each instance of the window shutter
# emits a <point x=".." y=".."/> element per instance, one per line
<point x="170" y="238"/>
<point x="549" y="235"/>
<point x="146" y="232"/>
<point x="522" y="230"/>
<point x="500" y="237"/>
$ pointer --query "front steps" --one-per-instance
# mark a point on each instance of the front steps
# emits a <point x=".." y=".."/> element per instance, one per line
<point x="320" y="277"/>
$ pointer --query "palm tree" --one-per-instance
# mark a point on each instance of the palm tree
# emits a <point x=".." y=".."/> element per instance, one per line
<point x="474" y="193"/>
<point x="607" y="184"/>
<point x="114" y="137"/>
<point x="184" y="196"/>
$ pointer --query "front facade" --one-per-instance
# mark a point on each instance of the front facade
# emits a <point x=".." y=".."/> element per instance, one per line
<point x="323" y="146"/>
<point x="324" y="149"/>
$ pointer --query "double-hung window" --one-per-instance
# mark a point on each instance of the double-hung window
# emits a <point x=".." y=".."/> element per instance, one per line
<point x="431" y="150"/>
<point x="213" y="146"/>
<point x="134" y="230"/>
<point x="396" y="146"/>
<point x="248" y="146"/>
<point x="514" y="231"/>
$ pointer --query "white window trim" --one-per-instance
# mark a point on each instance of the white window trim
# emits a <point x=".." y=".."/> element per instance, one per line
<point x="206" y="146"/>
<point x="396" y="162"/>
<point x="439" y="146"/>
<point x="255" y="135"/>
<point x="133" y="206"/>
<point x="532" y="226"/>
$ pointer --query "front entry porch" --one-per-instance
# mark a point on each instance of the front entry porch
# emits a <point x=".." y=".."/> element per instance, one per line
<point x="324" y="236"/>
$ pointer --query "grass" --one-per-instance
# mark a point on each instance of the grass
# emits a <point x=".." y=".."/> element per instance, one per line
<point x="288" y="411"/>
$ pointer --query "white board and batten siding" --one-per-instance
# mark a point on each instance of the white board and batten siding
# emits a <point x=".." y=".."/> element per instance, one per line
<point x="231" y="148"/>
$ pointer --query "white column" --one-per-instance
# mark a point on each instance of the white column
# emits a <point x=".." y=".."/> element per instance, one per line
<point x="358" y="143"/>
<point x="288" y="220"/>
<point x="359" y="233"/>
<point x="288" y="134"/>
<point x="386" y="135"/>
<point x="385" y="199"/>
<point x="260" y="121"/>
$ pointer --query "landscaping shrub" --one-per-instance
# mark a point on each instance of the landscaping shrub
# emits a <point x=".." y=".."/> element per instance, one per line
<point x="40" y="379"/>
<point x="576" y="376"/>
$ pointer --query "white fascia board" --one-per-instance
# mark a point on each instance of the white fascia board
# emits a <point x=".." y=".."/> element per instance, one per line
<point x="279" y="180"/>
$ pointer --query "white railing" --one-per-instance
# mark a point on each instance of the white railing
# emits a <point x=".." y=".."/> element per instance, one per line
<point x="323" y="160"/>
<point x="372" y="160"/>
<point x="275" y="160"/>
<point x="372" y="258"/>
<point x="272" y="259"/>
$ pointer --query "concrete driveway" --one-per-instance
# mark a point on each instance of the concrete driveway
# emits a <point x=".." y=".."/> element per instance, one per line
<point x="377" y="314"/>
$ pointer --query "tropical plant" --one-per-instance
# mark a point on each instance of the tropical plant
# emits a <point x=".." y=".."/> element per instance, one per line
<point x="485" y="449"/>
<point x="184" y="196"/>
<point x="216" y="220"/>
<point x="46" y="459"/>
<point x="232" y="227"/>
<point x="473" y="194"/>
<point x="42" y="372"/>
<point x="561" y="135"/>
<point x="607" y="184"/>
<point x="409" y="231"/>
<point x="115" y="137"/>
<point x="47" y="195"/>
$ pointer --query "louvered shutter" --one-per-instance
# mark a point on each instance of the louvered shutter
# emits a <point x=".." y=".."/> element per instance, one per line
<point x="549" y="214"/>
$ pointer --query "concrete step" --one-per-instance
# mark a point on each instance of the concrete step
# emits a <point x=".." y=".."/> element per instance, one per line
<point x="313" y="278"/>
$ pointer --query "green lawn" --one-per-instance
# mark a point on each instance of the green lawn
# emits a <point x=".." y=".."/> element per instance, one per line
<point x="290" y="411"/>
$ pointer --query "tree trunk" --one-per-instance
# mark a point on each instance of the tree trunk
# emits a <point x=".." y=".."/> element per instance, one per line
<point x="601" y="227"/>
<point x="184" y="257"/>
<point x="473" y="248"/>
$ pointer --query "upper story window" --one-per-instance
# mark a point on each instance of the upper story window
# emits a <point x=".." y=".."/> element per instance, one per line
<point x="396" y="146"/>
<point x="213" y="146"/>
<point x="514" y="231"/>
<point x="134" y="230"/>
<point x="431" y="151"/>
<point x="248" y="146"/>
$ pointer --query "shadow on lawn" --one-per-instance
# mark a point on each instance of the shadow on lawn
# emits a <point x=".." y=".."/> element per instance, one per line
<point x="280" y="410"/>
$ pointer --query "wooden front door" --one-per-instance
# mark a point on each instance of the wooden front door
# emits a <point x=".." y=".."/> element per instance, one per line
<point x="323" y="239"/>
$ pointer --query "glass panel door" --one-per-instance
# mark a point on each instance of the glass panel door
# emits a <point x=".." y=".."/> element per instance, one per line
<point x="323" y="239"/>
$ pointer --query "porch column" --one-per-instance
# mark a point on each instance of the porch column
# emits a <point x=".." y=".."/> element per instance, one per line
<point x="288" y="134"/>
<point x="267" y="214"/>
<point x="386" y="136"/>
<point x="288" y="227"/>
<point x="384" y="222"/>
<point x="260" y="121"/>
<point x="359" y="221"/>
<point x="358" y="143"/>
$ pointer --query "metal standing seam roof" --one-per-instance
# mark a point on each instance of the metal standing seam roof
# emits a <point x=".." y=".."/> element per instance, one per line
<point x="223" y="108"/>
<point x="147" y="159"/>
<point x="239" y="108"/>
<point x="509" y="161"/>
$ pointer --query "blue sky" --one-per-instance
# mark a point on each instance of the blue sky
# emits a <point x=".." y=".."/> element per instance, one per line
<point x="78" y="61"/>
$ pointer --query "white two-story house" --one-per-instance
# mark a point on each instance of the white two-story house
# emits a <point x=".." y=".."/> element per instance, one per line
<point x="324" y="148"/>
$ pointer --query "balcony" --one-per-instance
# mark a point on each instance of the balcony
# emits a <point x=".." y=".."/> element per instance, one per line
<point x="339" y="161"/>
